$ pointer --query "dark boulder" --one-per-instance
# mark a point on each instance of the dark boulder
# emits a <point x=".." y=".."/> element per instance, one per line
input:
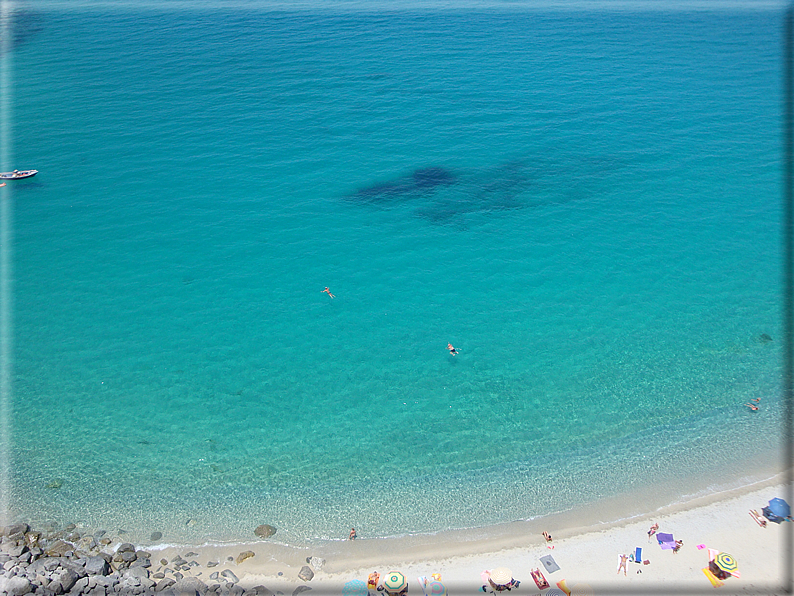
<point x="306" y="573"/>
<point x="97" y="566"/>
<point x="265" y="531"/>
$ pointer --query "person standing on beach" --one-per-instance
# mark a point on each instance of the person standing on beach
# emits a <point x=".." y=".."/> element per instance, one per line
<point x="652" y="531"/>
<point x="623" y="559"/>
<point x="352" y="534"/>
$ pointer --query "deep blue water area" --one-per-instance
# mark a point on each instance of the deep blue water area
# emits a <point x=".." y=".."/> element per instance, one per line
<point x="585" y="204"/>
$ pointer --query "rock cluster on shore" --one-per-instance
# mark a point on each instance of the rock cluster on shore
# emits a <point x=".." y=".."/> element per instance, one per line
<point x="51" y="563"/>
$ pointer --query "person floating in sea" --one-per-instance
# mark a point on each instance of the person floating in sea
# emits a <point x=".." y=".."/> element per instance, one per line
<point x="327" y="291"/>
<point x="3" y="184"/>
<point x="452" y="350"/>
<point x="352" y="534"/>
<point x="756" y="400"/>
<point x="753" y="407"/>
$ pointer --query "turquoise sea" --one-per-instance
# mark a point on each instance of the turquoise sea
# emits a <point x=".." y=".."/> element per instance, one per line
<point x="585" y="203"/>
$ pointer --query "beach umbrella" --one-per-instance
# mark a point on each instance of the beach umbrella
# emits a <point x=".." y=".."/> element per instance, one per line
<point x="394" y="582"/>
<point x="779" y="507"/>
<point x="355" y="587"/>
<point x="501" y="576"/>
<point x="435" y="588"/>
<point x="726" y="562"/>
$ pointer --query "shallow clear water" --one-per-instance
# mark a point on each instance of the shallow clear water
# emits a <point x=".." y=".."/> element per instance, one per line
<point x="585" y="204"/>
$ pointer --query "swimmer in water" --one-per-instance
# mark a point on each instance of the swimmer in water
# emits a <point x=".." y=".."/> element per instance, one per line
<point x="327" y="291"/>
<point x="753" y="407"/>
<point x="452" y="350"/>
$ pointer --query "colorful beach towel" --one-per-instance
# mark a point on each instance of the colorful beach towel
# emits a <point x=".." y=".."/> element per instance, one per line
<point x="540" y="580"/>
<point x="712" y="578"/>
<point x="666" y="541"/>
<point x="562" y="585"/>
<point x="550" y="564"/>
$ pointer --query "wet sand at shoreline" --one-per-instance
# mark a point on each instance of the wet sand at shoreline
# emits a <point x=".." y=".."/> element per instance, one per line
<point x="585" y="553"/>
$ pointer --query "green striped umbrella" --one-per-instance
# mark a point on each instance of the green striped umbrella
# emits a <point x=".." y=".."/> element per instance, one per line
<point x="726" y="562"/>
<point x="394" y="582"/>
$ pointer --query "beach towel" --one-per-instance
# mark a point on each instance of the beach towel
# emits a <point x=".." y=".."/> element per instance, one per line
<point x="540" y="580"/>
<point x="564" y="587"/>
<point x="638" y="555"/>
<point x="550" y="564"/>
<point x="555" y="592"/>
<point x="666" y="541"/>
<point x="712" y="578"/>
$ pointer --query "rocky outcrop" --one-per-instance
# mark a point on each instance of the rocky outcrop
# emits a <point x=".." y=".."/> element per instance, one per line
<point x="48" y="563"/>
<point x="265" y="531"/>
<point x="247" y="554"/>
<point x="306" y="573"/>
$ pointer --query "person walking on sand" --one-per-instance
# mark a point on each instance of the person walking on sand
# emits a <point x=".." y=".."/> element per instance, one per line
<point x="451" y="349"/>
<point x="327" y="291"/>
<point x="352" y="534"/>
<point x="623" y="559"/>
<point x="652" y="531"/>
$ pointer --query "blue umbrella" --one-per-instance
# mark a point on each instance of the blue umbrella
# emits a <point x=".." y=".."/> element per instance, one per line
<point x="779" y="507"/>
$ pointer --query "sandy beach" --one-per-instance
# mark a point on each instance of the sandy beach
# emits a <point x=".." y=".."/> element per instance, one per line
<point x="586" y="555"/>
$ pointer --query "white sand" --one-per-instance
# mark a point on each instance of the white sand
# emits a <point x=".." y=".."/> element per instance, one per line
<point x="585" y="555"/>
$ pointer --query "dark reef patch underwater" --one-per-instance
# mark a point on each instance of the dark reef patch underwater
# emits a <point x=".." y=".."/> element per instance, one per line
<point x="444" y="196"/>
